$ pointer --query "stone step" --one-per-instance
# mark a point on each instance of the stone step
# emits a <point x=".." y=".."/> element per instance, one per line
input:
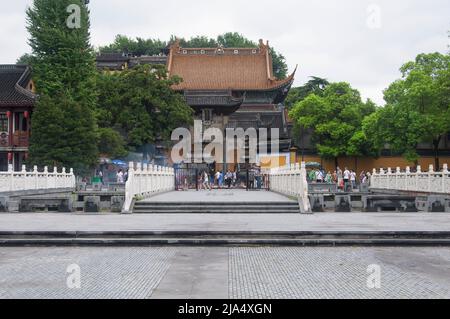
<point x="219" y="207"/>
<point x="170" y="235"/>
<point x="212" y="203"/>
<point x="302" y="242"/>
<point x="215" y="212"/>
<point x="209" y="207"/>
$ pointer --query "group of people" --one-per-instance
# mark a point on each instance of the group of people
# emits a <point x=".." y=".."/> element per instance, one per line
<point x="231" y="179"/>
<point x="346" y="180"/>
<point x="122" y="176"/>
<point x="219" y="179"/>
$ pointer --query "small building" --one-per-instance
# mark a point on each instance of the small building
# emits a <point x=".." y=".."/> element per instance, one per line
<point x="17" y="99"/>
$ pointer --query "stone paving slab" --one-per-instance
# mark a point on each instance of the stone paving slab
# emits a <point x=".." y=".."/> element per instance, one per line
<point x="223" y="222"/>
<point x="222" y="195"/>
<point x="241" y="272"/>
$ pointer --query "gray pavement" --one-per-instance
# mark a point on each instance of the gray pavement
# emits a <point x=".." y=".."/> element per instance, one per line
<point x="226" y="222"/>
<point x="223" y="195"/>
<point x="240" y="272"/>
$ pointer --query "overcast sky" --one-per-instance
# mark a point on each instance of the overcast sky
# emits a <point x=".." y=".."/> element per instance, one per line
<point x="358" y="41"/>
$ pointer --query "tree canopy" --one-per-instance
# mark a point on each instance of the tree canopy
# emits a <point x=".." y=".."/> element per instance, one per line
<point x="418" y="108"/>
<point x="315" y="85"/>
<point x="140" y="104"/>
<point x="335" y="119"/>
<point x="139" y="47"/>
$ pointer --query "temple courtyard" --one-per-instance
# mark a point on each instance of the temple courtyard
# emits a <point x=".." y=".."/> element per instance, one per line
<point x="225" y="222"/>
<point x="224" y="255"/>
<point x="224" y="272"/>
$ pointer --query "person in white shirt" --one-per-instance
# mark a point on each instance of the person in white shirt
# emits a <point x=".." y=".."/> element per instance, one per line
<point x="346" y="179"/>
<point x="217" y="178"/>
<point x="120" y="177"/>
<point x="353" y="179"/>
<point x="206" y="181"/>
<point x="319" y="176"/>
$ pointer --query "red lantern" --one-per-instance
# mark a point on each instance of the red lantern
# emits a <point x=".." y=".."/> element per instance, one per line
<point x="10" y="156"/>
<point x="26" y="114"/>
<point x="8" y="114"/>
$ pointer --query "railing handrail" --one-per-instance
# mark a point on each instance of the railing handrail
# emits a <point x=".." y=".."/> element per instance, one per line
<point x="33" y="180"/>
<point x="425" y="182"/>
<point x="145" y="180"/>
<point x="292" y="181"/>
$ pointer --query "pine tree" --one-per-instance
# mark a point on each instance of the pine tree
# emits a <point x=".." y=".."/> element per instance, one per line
<point x="63" y="122"/>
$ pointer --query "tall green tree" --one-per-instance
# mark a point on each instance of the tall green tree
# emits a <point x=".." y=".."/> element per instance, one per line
<point x="418" y="107"/>
<point x="140" y="105"/>
<point x="64" y="129"/>
<point x="335" y="118"/>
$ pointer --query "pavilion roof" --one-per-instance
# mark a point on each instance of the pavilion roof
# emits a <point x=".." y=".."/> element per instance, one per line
<point x="13" y="86"/>
<point x="224" y="68"/>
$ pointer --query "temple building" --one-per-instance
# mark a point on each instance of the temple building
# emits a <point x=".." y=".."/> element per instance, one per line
<point x="226" y="87"/>
<point x="17" y="99"/>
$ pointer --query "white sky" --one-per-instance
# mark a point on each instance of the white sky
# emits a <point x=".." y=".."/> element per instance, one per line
<point x="339" y="40"/>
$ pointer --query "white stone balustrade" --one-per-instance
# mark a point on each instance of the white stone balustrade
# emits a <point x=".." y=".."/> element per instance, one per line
<point x="24" y="180"/>
<point x="292" y="182"/>
<point x="146" y="180"/>
<point x="423" y="182"/>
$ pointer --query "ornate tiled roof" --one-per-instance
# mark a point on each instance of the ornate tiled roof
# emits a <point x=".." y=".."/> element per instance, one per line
<point x="13" y="86"/>
<point x="240" y="69"/>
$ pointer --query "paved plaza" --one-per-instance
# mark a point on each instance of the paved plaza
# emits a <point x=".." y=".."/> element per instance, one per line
<point x="226" y="222"/>
<point x="241" y="272"/>
<point x="173" y="272"/>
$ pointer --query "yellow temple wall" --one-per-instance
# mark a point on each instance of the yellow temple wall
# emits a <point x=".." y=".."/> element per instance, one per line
<point x="368" y="164"/>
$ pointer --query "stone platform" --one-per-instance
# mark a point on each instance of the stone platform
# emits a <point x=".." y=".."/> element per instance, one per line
<point x="220" y="222"/>
<point x="220" y="195"/>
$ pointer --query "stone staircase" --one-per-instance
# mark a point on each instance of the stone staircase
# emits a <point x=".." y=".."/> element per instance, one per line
<point x="148" y="207"/>
<point x="223" y="238"/>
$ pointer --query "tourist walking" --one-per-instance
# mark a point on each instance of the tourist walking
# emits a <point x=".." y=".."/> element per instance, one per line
<point x="119" y="177"/>
<point x="319" y="176"/>
<point x="228" y="179"/>
<point x="353" y="179"/>
<point x="216" y="179"/>
<point x="335" y="177"/>
<point x="340" y="178"/>
<point x="100" y="175"/>
<point x="206" y="183"/>
<point x="361" y="176"/>
<point x="346" y="179"/>
<point x="220" y="179"/>
<point x="329" y="178"/>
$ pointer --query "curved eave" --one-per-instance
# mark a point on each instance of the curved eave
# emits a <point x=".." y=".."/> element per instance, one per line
<point x="283" y="83"/>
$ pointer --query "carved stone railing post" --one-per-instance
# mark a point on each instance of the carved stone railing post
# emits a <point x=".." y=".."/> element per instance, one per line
<point x="291" y="181"/>
<point x="430" y="177"/>
<point x="427" y="182"/>
<point x="146" y="180"/>
<point x="33" y="180"/>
